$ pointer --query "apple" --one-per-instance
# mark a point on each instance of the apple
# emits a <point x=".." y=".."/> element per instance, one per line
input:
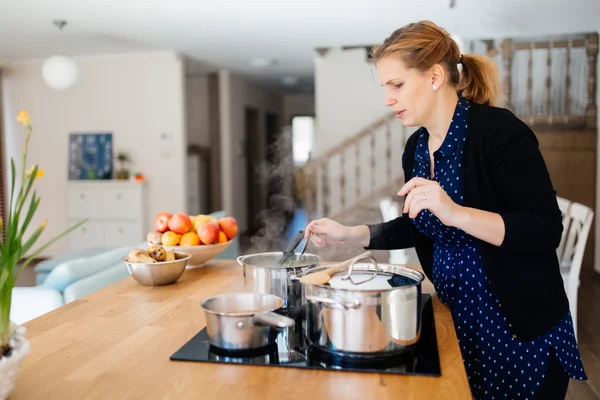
<point x="229" y="226"/>
<point x="161" y="221"/>
<point x="209" y="233"/>
<point x="180" y="223"/>
<point x="200" y="220"/>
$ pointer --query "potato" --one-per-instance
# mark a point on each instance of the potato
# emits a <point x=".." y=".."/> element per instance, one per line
<point x="157" y="252"/>
<point x="153" y="237"/>
<point x="170" y="255"/>
<point x="139" y="256"/>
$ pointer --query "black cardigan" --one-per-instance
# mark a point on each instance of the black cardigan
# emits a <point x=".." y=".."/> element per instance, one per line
<point x="503" y="172"/>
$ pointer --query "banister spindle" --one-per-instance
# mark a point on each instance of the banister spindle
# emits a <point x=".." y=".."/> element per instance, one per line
<point x="568" y="80"/>
<point x="357" y="169"/>
<point x="388" y="151"/>
<point x="373" y="175"/>
<point x="342" y="181"/>
<point x="325" y="184"/>
<point x="529" y="102"/>
<point x="592" y="53"/>
<point x="549" y="83"/>
<point x="507" y="58"/>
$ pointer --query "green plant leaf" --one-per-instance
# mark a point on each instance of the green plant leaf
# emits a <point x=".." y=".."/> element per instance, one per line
<point x="10" y="223"/>
<point x="25" y="248"/>
<point x="30" y="181"/>
<point x="47" y="244"/>
<point x="5" y="275"/>
<point x="13" y="173"/>
<point x="14" y="244"/>
<point x="33" y="205"/>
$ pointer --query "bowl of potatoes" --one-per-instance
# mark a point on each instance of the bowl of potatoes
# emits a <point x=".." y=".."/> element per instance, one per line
<point x="156" y="266"/>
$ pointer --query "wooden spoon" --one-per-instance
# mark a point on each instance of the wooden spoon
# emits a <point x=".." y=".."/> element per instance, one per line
<point x="322" y="277"/>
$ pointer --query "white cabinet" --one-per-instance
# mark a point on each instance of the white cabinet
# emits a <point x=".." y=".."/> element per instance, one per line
<point x="115" y="210"/>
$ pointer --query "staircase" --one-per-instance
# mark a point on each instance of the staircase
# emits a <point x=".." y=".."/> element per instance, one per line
<point x="347" y="182"/>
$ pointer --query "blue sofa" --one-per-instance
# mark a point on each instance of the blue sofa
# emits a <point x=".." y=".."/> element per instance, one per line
<point x="68" y="277"/>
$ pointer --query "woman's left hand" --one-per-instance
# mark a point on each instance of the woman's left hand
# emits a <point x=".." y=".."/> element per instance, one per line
<point x="424" y="194"/>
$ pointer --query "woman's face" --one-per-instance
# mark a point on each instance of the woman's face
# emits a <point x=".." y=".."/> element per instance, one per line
<point x="408" y="91"/>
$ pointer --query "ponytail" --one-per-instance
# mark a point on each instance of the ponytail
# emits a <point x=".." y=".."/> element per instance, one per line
<point x="479" y="80"/>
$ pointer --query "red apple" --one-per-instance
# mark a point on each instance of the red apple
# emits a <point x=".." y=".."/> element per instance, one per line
<point x="209" y="233"/>
<point x="229" y="226"/>
<point x="161" y="221"/>
<point x="180" y="223"/>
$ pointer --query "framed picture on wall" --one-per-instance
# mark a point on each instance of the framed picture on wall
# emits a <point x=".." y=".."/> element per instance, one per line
<point x="90" y="156"/>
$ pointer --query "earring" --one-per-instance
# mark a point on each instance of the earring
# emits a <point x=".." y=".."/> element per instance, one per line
<point x="434" y="88"/>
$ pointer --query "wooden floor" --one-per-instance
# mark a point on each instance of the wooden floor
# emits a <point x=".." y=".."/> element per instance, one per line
<point x="589" y="338"/>
<point x="589" y="334"/>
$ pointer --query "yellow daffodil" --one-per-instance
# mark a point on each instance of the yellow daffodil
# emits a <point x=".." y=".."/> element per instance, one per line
<point x="39" y="174"/>
<point x="23" y="119"/>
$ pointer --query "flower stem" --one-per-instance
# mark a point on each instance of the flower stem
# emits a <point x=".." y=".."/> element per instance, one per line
<point x="5" y="303"/>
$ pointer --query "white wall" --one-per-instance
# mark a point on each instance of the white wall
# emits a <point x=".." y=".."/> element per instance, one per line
<point x="235" y="94"/>
<point x="138" y="97"/>
<point x="348" y="96"/>
<point x="196" y="95"/>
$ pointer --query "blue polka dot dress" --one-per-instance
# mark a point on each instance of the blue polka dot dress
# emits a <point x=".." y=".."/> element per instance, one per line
<point x="498" y="366"/>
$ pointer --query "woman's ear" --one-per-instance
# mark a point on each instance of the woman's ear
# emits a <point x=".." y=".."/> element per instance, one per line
<point x="437" y="77"/>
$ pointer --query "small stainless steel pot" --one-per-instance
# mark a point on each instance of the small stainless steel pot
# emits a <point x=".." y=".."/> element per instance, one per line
<point x="244" y="321"/>
<point x="264" y="274"/>
<point x="368" y="320"/>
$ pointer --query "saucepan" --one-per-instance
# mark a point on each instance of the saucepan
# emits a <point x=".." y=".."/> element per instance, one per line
<point x="369" y="308"/>
<point x="244" y="321"/>
<point x="278" y="273"/>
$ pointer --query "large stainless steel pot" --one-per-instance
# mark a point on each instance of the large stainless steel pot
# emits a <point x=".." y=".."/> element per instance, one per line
<point x="244" y="321"/>
<point x="360" y="311"/>
<point x="263" y="273"/>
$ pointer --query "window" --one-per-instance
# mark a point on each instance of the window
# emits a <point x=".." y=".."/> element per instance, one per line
<point x="303" y="133"/>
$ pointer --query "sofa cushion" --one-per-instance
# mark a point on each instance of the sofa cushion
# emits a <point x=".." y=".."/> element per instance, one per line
<point x="92" y="283"/>
<point x="219" y="214"/>
<point x="71" y="271"/>
<point x="49" y="264"/>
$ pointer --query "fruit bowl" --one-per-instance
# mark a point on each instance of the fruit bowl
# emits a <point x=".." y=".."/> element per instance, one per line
<point x="201" y="253"/>
<point x="158" y="273"/>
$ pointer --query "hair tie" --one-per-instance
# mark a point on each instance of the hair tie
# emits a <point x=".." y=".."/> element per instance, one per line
<point x="461" y="58"/>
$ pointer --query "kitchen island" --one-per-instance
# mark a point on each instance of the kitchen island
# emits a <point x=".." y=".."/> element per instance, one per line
<point x="116" y="344"/>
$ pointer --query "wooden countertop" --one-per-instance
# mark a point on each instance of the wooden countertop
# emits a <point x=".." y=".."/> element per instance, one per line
<point x="116" y="343"/>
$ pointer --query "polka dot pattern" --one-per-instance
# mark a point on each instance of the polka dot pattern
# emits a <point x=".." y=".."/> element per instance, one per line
<point x="498" y="365"/>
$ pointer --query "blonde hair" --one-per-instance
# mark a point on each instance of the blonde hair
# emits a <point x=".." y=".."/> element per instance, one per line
<point x="423" y="44"/>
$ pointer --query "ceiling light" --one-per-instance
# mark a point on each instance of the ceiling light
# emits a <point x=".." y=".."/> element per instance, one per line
<point x="289" y="80"/>
<point x="60" y="72"/>
<point x="262" y="62"/>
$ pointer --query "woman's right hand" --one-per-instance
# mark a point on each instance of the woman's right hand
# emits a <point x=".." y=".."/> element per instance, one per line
<point x="327" y="232"/>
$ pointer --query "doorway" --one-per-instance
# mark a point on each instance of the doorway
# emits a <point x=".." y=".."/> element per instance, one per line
<point x="274" y="155"/>
<point x="254" y="199"/>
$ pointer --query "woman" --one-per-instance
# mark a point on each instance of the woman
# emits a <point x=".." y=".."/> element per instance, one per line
<point x="482" y="214"/>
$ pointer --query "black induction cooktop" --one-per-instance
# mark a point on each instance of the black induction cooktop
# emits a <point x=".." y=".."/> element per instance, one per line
<point x="293" y="350"/>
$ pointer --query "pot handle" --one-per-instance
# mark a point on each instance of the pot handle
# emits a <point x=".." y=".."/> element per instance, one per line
<point x="275" y="320"/>
<point x="294" y="277"/>
<point x="333" y="303"/>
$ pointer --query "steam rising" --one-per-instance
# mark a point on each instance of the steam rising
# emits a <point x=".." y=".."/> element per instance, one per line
<point x="279" y="170"/>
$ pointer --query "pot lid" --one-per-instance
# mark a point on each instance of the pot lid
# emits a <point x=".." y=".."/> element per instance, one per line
<point x="387" y="277"/>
